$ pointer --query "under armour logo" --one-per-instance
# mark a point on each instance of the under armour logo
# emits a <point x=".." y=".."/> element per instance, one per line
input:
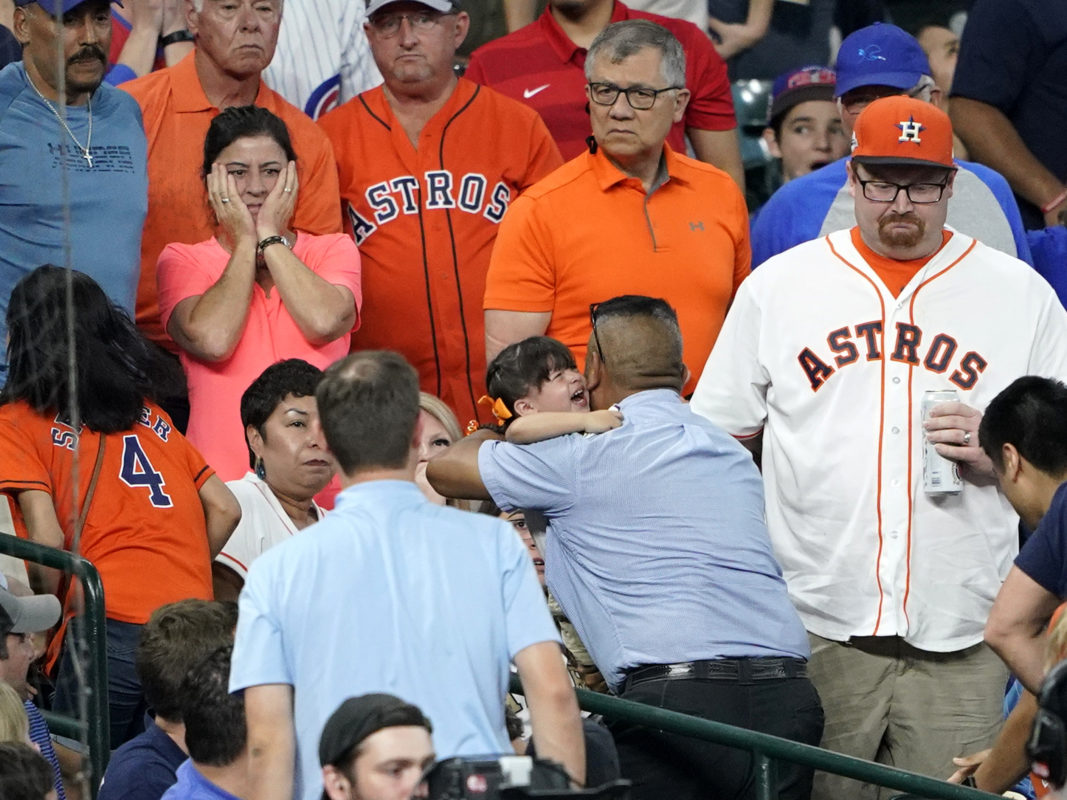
<point x="909" y="130"/>
<point x="696" y="226"/>
<point x="872" y="53"/>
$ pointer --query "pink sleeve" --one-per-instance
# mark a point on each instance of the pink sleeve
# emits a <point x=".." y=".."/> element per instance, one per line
<point x="185" y="270"/>
<point x="334" y="258"/>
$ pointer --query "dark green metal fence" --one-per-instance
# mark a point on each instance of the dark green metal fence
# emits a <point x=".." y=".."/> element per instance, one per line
<point x="94" y="731"/>
<point x="768" y="750"/>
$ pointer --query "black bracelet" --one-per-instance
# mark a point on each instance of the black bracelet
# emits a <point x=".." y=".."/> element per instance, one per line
<point x="263" y="245"/>
<point x="174" y="38"/>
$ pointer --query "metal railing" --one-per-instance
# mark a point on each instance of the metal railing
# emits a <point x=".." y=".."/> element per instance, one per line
<point x="94" y="731"/>
<point x="768" y="750"/>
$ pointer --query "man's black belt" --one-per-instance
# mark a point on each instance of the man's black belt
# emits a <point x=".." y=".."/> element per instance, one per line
<point x="742" y="670"/>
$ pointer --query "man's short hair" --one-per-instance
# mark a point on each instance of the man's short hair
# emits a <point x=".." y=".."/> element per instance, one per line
<point x="368" y="406"/>
<point x="293" y="376"/>
<point x="640" y="356"/>
<point x="24" y="773"/>
<point x="215" y="731"/>
<point x="175" y="638"/>
<point x="1031" y="413"/>
<point x="621" y="40"/>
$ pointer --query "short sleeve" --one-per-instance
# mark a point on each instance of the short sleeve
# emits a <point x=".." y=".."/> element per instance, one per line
<point x="180" y="274"/>
<point x="732" y="391"/>
<point x="521" y="276"/>
<point x="711" y="106"/>
<point x="526" y="613"/>
<point x="21" y="467"/>
<point x="258" y="650"/>
<point x="1042" y="557"/>
<point x="541" y="476"/>
<point x="335" y="259"/>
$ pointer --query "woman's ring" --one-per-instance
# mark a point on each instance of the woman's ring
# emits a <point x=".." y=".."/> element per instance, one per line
<point x="966" y="437"/>
<point x="225" y="199"/>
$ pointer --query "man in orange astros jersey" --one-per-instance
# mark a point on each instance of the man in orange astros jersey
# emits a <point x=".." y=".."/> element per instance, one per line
<point x="428" y="164"/>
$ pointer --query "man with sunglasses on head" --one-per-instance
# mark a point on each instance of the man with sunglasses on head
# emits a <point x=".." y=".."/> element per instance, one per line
<point x="629" y="216"/>
<point x="882" y="60"/>
<point x="840" y="358"/>
<point x="428" y="165"/>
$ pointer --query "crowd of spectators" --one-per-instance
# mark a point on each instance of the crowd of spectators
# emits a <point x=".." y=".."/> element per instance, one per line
<point x="377" y="350"/>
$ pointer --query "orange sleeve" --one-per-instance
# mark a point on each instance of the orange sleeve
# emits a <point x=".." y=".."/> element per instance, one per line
<point x="743" y="247"/>
<point x="543" y="155"/>
<point x="521" y="275"/>
<point x="22" y="467"/>
<point x="319" y="210"/>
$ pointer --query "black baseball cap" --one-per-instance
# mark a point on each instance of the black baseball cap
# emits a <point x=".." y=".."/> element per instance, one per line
<point x="358" y="717"/>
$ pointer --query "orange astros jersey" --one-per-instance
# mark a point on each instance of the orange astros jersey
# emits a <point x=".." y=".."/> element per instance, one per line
<point x="145" y="530"/>
<point x="425" y="221"/>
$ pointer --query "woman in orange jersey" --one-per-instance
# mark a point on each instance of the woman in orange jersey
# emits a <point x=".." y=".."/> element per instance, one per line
<point x="94" y="466"/>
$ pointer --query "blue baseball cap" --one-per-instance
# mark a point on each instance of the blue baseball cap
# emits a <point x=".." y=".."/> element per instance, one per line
<point x="880" y="55"/>
<point x="56" y="7"/>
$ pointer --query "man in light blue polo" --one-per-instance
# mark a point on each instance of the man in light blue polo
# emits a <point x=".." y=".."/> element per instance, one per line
<point x="658" y="553"/>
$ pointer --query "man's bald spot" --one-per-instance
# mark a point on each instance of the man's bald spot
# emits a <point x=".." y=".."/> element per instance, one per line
<point x="641" y="352"/>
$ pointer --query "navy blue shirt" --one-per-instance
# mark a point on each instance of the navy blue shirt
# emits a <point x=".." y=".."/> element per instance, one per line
<point x="144" y="767"/>
<point x="1044" y="556"/>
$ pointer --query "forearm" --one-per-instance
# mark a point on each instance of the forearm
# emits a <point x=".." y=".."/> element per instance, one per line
<point x="1007" y="761"/>
<point x="1023" y="653"/>
<point x="211" y="328"/>
<point x="554" y="715"/>
<point x="139" y="51"/>
<point x="507" y="327"/>
<point x="720" y="149"/>
<point x="222" y="512"/>
<point x="43" y="527"/>
<point x="545" y="425"/>
<point x="271" y="741"/>
<point x="519" y="13"/>
<point x="992" y="140"/>
<point x="321" y="310"/>
<point x="455" y="473"/>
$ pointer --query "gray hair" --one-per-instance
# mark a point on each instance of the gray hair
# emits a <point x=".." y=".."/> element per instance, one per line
<point x="623" y="39"/>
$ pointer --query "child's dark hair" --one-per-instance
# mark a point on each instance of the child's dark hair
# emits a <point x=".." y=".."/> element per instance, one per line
<point x="521" y="367"/>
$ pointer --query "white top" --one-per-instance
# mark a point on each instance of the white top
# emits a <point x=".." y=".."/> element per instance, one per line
<point x="263" y="524"/>
<point x="323" y="58"/>
<point x="815" y="352"/>
<point x="695" y="11"/>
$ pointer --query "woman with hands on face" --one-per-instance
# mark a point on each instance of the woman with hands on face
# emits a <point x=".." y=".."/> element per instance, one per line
<point x="258" y="291"/>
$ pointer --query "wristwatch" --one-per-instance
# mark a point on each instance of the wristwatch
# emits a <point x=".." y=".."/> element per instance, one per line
<point x="175" y="38"/>
<point x="263" y="245"/>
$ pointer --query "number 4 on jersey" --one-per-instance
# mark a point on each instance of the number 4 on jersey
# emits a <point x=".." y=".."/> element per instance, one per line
<point x="137" y="471"/>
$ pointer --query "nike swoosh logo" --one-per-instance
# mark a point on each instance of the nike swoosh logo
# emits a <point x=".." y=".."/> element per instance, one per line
<point x="528" y="93"/>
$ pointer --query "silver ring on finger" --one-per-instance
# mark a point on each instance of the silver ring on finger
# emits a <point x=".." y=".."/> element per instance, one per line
<point x="966" y="437"/>
<point x="225" y="199"/>
<point x="287" y="190"/>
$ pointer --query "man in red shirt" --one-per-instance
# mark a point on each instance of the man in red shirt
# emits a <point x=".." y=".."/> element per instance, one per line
<point x="542" y="65"/>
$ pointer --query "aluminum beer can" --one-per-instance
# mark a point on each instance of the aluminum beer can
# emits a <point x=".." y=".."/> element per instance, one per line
<point x="940" y="475"/>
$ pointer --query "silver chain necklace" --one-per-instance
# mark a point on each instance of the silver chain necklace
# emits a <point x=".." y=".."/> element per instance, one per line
<point x="89" y="106"/>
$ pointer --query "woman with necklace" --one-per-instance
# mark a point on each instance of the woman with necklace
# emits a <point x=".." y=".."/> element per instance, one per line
<point x="257" y="292"/>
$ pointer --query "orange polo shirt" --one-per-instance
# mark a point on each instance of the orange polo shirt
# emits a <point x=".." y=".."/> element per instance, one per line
<point x="588" y="233"/>
<point x="177" y="114"/>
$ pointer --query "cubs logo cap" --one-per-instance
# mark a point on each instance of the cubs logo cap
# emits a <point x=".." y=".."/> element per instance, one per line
<point x="880" y="55"/>
<point x="903" y="130"/>
<point x="799" y="86"/>
<point x="444" y="6"/>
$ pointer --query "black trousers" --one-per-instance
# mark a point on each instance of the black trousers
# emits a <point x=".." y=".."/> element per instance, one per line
<point x="666" y="766"/>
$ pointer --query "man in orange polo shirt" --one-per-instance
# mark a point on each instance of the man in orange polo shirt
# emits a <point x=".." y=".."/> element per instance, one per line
<point x="235" y="41"/>
<point x="629" y="217"/>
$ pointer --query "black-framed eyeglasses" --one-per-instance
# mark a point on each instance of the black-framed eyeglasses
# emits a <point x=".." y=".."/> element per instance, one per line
<point x="918" y="193"/>
<point x="388" y="25"/>
<point x="593" y="307"/>
<point x="640" y="98"/>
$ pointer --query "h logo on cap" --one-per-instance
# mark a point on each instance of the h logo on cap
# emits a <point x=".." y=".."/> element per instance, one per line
<point x="909" y="131"/>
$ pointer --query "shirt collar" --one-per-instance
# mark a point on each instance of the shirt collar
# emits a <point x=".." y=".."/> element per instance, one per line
<point x="650" y="396"/>
<point x="189" y="93"/>
<point x="566" y="50"/>
<point x="608" y="175"/>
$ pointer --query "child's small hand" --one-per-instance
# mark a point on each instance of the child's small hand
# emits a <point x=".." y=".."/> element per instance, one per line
<point x="604" y="420"/>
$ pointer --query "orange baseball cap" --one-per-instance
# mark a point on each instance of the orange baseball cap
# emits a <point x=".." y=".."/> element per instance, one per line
<point x="903" y="130"/>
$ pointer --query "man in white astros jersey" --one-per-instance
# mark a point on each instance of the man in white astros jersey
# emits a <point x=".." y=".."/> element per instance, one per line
<point x="822" y="366"/>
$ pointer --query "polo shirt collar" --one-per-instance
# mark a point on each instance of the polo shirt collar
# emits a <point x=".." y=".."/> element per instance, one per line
<point x="566" y="50"/>
<point x="608" y="175"/>
<point x="189" y="93"/>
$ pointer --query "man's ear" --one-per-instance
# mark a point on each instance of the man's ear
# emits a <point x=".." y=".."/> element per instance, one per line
<point x="851" y="173"/>
<point x="335" y="783"/>
<point x="1013" y="462"/>
<point x="594" y="368"/>
<point x="686" y="375"/>
<point x="771" y="141"/>
<point x="20" y="24"/>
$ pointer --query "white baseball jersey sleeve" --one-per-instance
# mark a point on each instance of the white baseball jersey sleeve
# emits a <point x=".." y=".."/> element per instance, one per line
<point x="820" y="356"/>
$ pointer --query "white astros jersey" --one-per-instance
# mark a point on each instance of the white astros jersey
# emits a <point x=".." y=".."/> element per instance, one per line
<point x="818" y="354"/>
<point x="323" y="57"/>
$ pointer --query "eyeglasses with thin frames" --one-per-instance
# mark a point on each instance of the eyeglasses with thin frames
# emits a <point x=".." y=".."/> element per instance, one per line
<point x="919" y="194"/>
<point x="640" y="98"/>
<point x="593" y="307"/>
<point x="388" y="25"/>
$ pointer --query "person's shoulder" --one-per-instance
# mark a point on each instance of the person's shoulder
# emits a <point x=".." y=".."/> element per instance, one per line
<point x="987" y="175"/>
<point x="564" y="178"/>
<point x="154" y="84"/>
<point x="111" y="99"/>
<point x="493" y="103"/>
<point x="806" y="194"/>
<point x="299" y="123"/>
<point x="12" y="83"/>
<point x="496" y="53"/>
<point x="337" y="120"/>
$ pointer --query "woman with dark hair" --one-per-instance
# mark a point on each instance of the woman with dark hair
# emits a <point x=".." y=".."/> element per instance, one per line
<point x="94" y="466"/>
<point x="289" y="463"/>
<point x="257" y="291"/>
